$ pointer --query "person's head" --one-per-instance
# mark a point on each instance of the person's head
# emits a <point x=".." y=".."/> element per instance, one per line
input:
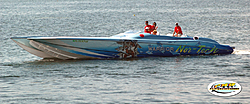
<point x="176" y="24"/>
<point x="146" y="22"/>
<point x="154" y="23"/>
<point x="154" y="32"/>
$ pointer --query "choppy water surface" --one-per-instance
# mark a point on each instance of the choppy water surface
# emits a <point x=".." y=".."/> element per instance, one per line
<point x="25" y="78"/>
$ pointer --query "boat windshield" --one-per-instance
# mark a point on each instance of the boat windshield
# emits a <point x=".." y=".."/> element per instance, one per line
<point x="127" y="33"/>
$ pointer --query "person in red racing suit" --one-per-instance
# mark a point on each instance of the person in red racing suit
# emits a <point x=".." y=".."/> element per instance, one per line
<point x="177" y="30"/>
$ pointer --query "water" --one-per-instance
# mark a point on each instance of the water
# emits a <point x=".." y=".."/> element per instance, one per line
<point x="26" y="78"/>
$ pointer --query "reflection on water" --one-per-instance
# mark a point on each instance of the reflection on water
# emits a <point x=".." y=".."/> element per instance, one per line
<point x="178" y="61"/>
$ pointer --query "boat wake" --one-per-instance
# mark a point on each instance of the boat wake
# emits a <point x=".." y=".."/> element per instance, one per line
<point x="241" y="52"/>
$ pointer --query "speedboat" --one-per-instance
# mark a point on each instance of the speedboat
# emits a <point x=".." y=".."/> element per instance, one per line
<point x="130" y="44"/>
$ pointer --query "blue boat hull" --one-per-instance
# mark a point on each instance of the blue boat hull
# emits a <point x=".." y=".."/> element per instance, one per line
<point x="121" y="46"/>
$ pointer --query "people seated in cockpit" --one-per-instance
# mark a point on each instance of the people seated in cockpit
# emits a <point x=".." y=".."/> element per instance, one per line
<point x="147" y="28"/>
<point x="154" y="27"/>
<point x="177" y="30"/>
<point x="154" y="32"/>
